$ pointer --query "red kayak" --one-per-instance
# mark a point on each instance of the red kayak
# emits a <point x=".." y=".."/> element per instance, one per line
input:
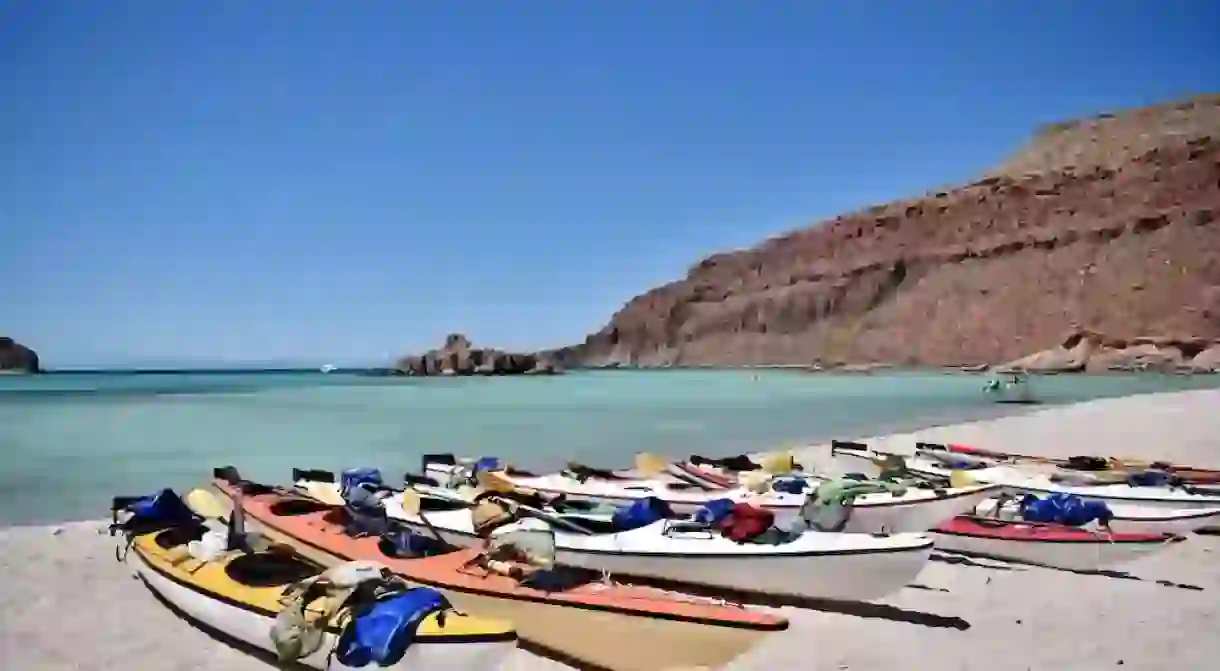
<point x="1053" y="545"/>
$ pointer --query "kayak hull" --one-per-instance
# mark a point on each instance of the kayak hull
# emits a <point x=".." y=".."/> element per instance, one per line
<point x="1054" y="546"/>
<point x="838" y="566"/>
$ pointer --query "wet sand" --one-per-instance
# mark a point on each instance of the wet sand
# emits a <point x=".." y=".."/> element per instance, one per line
<point x="67" y="604"/>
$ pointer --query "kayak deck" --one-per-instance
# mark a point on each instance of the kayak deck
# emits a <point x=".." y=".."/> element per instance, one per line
<point x="323" y="531"/>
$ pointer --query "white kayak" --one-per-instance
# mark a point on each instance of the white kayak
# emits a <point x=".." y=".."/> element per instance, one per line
<point x="839" y="566"/>
<point x="916" y="510"/>
<point x="1012" y="478"/>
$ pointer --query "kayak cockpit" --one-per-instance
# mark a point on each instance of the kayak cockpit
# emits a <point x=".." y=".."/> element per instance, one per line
<point x="270" y="569"/>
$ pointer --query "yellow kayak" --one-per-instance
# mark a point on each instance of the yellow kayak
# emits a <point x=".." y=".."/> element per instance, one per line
<point x="241" y="594"/>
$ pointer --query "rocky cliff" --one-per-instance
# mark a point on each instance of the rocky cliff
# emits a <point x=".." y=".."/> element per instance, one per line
<point x="459" y="357"/>
<point x="17" y="357"/>
<point x="1107" y="224"/>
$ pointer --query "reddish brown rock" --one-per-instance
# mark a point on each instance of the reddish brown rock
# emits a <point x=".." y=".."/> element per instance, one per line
<point x="1106" y="223"/>
<point x="459" y="357"/>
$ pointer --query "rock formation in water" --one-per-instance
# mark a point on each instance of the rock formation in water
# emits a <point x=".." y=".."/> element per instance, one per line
<point x="1101" y="226"/>
<point x="459" y="357"/>
<point x="15" y="357"/>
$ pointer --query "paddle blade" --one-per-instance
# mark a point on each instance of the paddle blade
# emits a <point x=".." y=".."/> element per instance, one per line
<point x="650" y="464"/>
<point x="777" y="462"/>
<point x="495" y="482"/>
<point x="958" y="478"/>
<point x="410" y="502"/>
<point x="205" y="504"/>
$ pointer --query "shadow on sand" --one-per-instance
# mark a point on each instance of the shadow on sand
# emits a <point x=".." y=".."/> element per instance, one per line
<point x="965" y="560"/>
<point x="877" y="611"/>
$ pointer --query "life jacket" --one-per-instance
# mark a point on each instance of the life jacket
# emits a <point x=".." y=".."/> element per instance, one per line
<point x="640" y="513"/>
<point x="148" y="513"/>
<point x="1066" y="509"/>
<point x="788" y="485"/>
<point x="367" y="478"/>
<point x="382" y="633"/>
<point x="293" y="634"/>
<point x="489" y="514"/>
<point x="713" y="512"/>
<point x="746" y="522"/>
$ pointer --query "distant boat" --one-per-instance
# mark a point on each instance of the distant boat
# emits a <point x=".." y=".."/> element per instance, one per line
<point x="1011" y="387"/>
<point x="328" y="368"/>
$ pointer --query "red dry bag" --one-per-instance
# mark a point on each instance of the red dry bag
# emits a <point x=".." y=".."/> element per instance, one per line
<point x="746" y="522"/>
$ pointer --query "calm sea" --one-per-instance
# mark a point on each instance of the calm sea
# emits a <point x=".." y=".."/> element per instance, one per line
<point x="70" y="441"/>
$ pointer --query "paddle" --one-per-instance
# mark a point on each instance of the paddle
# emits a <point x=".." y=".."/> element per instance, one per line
<point x="206" y="505"/>
<point x="412" y="504"/>
<point x="495" y="482"/>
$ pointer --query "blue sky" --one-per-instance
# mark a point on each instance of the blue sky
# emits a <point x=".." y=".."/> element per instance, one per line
<point x="345" y="181"/>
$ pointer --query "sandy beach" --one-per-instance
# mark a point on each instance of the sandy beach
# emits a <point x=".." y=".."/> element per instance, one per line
<point x="67" y="604"/>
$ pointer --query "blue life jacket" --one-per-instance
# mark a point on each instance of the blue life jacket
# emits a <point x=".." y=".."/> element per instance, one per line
<point x="641" y="513"/>
<point x="712" y="512"/>
<point x="788" y="485"/>
<point x="1066" y="509"/>
<point x="486" y="464"/>
<point x="163" y="509"/>
<point x="383" y="633"/>
<point x="353" y="477"/>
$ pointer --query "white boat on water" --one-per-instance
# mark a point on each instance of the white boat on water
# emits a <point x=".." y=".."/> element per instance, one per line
<point x="916" y="510"/>
<point x="840" y="566"/>
<point x="1018" y="479"/>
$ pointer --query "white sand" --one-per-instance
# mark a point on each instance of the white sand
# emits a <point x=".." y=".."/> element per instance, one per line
<point x="67" y="604"/>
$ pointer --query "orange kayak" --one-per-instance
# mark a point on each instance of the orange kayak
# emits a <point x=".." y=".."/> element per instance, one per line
<point x="608" y="626"/>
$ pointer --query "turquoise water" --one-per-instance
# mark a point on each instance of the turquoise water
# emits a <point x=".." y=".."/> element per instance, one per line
<point x="71" y="441"/>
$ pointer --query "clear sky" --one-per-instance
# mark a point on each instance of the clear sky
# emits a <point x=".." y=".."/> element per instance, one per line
<point x="345" y="181"/>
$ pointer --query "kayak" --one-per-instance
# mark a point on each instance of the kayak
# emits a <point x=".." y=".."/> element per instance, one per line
<point x="1013" y="478"/>
<point x="1052" y="545"/>
<point x="240" y="596"/>
<point x="577" y="618"/>
<point x="817" y="565"/>
<point x="916" y="510"/>
<point x="1188" y="474"/>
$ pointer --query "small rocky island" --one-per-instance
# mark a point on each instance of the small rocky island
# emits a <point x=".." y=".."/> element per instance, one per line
<point x="17" y="358"/>
<point x="459" y="357"/>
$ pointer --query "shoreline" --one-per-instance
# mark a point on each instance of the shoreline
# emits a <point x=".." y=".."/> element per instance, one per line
<point x="1155" y="612"/>
<point x="892" y="436"/>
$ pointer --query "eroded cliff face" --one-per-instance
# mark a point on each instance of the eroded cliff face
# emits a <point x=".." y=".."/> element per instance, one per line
<point x="1108" y="224"/>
